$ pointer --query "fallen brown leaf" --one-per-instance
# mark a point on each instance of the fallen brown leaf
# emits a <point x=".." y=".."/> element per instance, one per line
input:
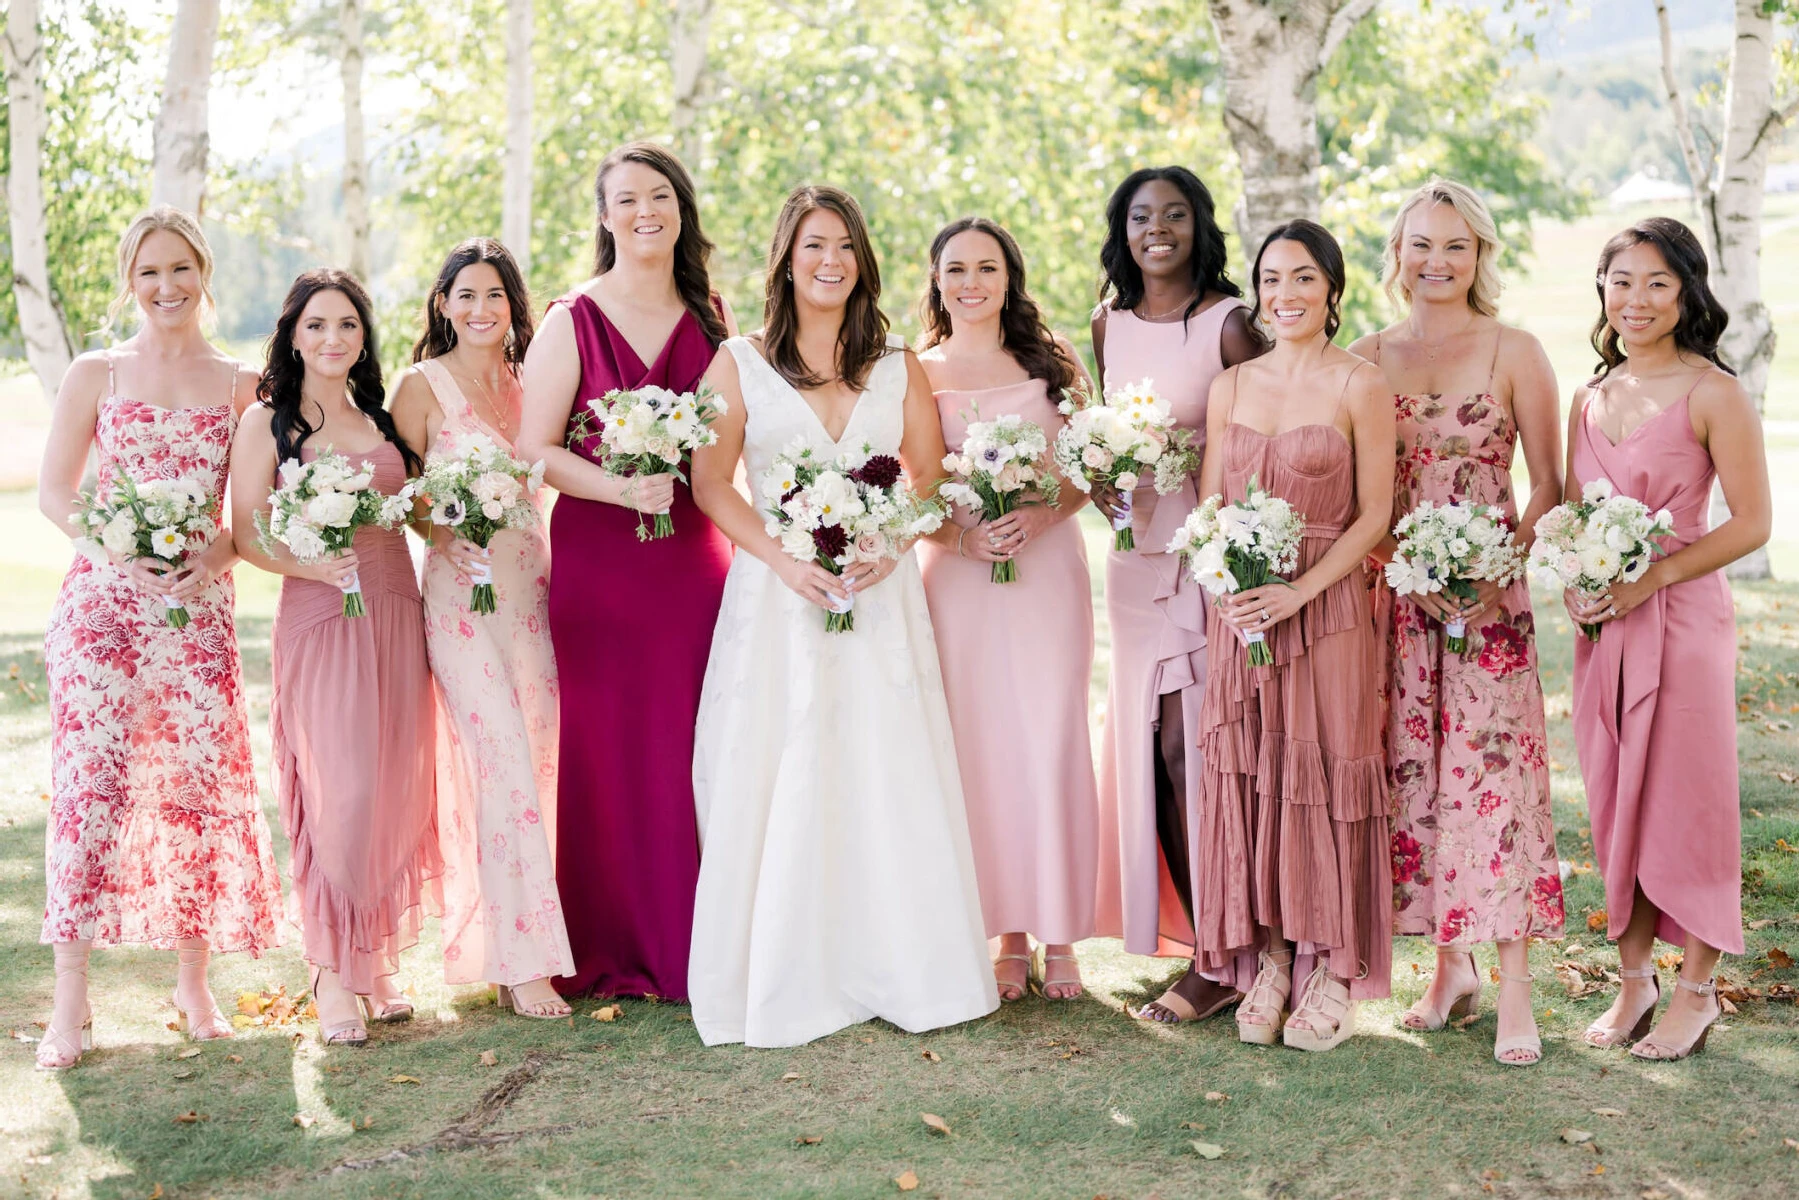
<point x="790" y="1077"/>
<point x="1670" y="961"/>
<point x="155" y="1192"/>
<point x="489" y="1059"/>
<point x="184" y="1074"/>
<point x="234" y="1058"/>
<point x="1608" y="1112"/>
<point x="404" y="1079"/>
<point x="931" y="1056"/>
<point x="1779" y="959"/>
<point x="1596" y="921"/>
<point x="1208" y="1150"/>
<point x="608" y="1013"/>
<point x="1764" y="923"/>
<point x="807" y="1141"/>
<point x="1576" y="1137"/>
<point x="190" y="1052"/>
<point x="934" y="1123"/>
<point x="190" y="1117"/>
<point x="1216" y="1097"/>
<point x="1790" y="1143"/>
<point x="1195" y="1125"/>
<point x="304" y="1121"/>
<point x="906" y="1181"/>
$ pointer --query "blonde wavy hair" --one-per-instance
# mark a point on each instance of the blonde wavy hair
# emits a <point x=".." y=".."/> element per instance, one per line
<point x="1483" y="296"/>
<point x="181" y="224"/>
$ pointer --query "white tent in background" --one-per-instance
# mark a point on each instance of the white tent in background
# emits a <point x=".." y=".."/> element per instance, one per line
<point x="1641" y="188"/>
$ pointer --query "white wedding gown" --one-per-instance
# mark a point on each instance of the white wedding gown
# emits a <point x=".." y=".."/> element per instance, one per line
<point x="836" y="879"/>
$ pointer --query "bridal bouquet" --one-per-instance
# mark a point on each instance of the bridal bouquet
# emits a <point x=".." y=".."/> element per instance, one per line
<point x="164" y="519"/>
<point x="1600" y="538"/>
<point x="854" y="508"/>
<point x="478" y="489"/>
<point x="1448" y="548"/>
<point x="319" y="506"/>
<point x="1001" y="461"/>
<point x="1238" y="547"/>
<point x="1116" y="440"/>
<point x="649" y="431"/>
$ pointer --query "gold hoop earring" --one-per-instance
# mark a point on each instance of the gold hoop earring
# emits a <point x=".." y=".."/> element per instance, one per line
<point x="365" y="353"/>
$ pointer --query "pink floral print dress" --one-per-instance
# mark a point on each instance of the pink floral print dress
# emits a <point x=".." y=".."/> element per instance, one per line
<point x="1467" y="755"/>
<point x="155" y="834"/>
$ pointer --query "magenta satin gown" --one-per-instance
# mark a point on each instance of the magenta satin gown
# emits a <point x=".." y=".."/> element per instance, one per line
<point x="632" y="624"/>
<point x="1655" y="706"/>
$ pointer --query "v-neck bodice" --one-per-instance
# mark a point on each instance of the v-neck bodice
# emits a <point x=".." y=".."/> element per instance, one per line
<point x="610" y="363"/>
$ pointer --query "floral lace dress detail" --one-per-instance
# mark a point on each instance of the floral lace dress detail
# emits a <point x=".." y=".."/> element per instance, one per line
<point x="1467" y="755"/>
<point x="155" y="833"/>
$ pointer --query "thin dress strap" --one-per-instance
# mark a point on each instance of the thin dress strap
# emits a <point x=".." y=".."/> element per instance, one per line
<point x="231" y="396"/>
<point x="111" y="385"/>
<point x="1377" y="348"/>
<point x="1493" y="367"/>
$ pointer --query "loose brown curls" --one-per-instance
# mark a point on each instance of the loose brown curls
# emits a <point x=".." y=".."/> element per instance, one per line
<point x="439" y="337"/>
<point x="692" y="251"/>
<point x="862" y="341"/>
<point x="1023" y="332"/>
<point x="1703" y="318"/>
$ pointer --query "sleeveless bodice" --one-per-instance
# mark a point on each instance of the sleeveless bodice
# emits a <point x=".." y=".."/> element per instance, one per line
<point x="1660" y="463"/>
<point x="1029" y="399"/>
<point x="609" y="363"/>
<point x="1454" y="449"/>
<point x="1180" y="359"/>
<point x="146" y="441"/>
<point x="777" y="415"/>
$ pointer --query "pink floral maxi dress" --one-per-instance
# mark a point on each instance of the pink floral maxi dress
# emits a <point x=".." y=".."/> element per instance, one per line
<point x="496" y="749"/>
<point x="155" y="834"/>
<point x="1467" y="755"/>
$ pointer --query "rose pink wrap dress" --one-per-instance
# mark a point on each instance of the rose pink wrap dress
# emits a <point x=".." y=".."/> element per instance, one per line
<point x="1158" y="623"/>
<point x="1016" y="661"/>
<point x="1655" y="706"/>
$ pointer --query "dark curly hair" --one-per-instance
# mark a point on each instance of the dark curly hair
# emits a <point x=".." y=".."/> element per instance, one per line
<point x="1324" y="251"/>
<point x="1023" y="332"/>
<point x="440" y="336"/>
<point x="1122" y="278"/>
<point x="1702" y="318"/>
<point x="283" y="373"/>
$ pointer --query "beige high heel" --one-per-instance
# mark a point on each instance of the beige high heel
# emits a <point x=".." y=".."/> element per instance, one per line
<point x="340" y="1033"/>
<point x="505" y="997"/>
<point x="1324" y="998"/>
<point x="1044" y="981"/>
<point x="58" y="1051"/>
<point x="1429" y="1020"/>
<point x="1524" y="1041"/>
<point x="210" y="1025"/>
<point x="1267" y="997"/>
<point x="1650" y="1050"/>
<point x="1604" y="1037"/>
<point x="1006" y="985"/>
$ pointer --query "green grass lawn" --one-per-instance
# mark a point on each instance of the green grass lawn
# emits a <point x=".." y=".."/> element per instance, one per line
<point x="1043" y="1099"/>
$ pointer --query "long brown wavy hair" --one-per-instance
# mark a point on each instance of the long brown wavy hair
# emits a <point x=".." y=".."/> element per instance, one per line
<point x="692" y="251"/>
<point x="862" y="341"/>
<point x="283" y="373"/>
<point x="439" y="337"/>
<point x="1703" y="318"/>
<point x="1022" y="330"/>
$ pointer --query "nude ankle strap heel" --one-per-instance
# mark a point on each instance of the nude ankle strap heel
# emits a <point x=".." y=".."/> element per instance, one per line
<point x="1528" y="1041"/>
<point x="1604" y="1037"/>
<point x="1650" y="1050"/>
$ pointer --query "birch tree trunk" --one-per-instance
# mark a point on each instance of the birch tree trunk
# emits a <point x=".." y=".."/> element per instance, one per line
<point x="355" y="182"/>
<point x="515" y="197"/>
<point x="1729" y="198"/>
<point x="1273" y="51"/>
<point x="48" y="345"/>
<point x="687" y="56"/>
<point x="178" y="172"/>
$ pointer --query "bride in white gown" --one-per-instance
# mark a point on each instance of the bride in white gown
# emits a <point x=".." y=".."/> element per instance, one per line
<point x="836" y="879"/>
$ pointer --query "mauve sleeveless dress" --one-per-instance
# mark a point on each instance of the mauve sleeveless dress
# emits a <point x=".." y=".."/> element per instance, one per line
<point x="1293" y="826"/>
<point x="1655" y="706"/>
<point x="632" y="624"/>
<point x="1158" y="623"/>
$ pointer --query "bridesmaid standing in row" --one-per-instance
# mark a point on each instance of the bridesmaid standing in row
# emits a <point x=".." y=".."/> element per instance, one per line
<point x="495" y="672"/>
<point x="1175" y="318"/>
<point x="1467" y="753"/>
<point x="1655" y="696"/>
<point x="632" y="621"/>
<point x="352" y="717"/>
<point x="1024" y="751"/>
<point x="155" y="836"/>
<point x="1293" y="831"/>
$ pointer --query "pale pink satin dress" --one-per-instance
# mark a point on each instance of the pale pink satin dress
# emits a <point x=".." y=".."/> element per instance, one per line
<point x="1016" y="661"/>
<point x="1158" y="622"/>
<point x="1655" y="706"/>
<point x="496" y="744"/>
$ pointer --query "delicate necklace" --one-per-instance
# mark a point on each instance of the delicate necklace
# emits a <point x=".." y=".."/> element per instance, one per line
<point x="499" y="419"/>
<point x="1185" y="301"/>
<point x="1431" y="350"/>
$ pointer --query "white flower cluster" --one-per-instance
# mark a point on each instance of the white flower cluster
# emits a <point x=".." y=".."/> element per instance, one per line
<point x="319" y="505"/>
<point x="1441" y="545"/>
<point x="1235" y="547"/>
<point x="1119" y="438"/>
<point x="649" y="429"/>
<point x="477" y="488"/>
<point x="999" y="459"/>
<point x="1599" y="538"/>
<point x="158" y="518"/>
<point x="855" y="508"/>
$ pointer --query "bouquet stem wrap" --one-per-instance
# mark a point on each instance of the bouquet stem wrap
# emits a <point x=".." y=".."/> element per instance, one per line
<point x="174" y="612"/>
<point x="1122" y="537"/>
<point x="481" y="599"/>
<point x="353" y="597"/>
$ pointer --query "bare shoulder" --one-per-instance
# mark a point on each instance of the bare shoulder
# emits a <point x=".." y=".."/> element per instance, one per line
<point x="1721" y="396"/>
<point x="86" y="376"/>
<point x="1365" y="346"/>
<point x="256" y="430"/>
<point x="1518" y="346"/>
<point x="1365" y="389"/>
<point x="413" y="393"/>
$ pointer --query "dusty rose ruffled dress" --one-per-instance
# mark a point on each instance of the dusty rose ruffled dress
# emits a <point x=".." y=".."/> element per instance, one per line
<point x="353" y="722"/>
<point x="1293" y="822"/>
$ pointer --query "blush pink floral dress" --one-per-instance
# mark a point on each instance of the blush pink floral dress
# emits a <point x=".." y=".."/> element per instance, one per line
<point x="1467" y="755"/>
<point x="155" y="834"/>
<point x="496" y="749"/>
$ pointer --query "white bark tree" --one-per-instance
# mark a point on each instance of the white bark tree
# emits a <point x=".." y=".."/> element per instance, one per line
<point x="48" y="346"/>
<point x="687" y="57"/>
<point x="178" y="171"/>
<point x="1273" y="51"/>
<point x="356" y="167"/>
<point x="1727" y="194"/>
<point x="515" y="198"/>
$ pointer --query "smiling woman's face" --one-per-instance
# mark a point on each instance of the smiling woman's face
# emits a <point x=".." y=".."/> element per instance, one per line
<point x="1293" y="291"/>
<point x="165" y="278"/>
<point x="329" y="335"/>
<point x="823" y="260"/>
<point x="1159" y="230"/>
